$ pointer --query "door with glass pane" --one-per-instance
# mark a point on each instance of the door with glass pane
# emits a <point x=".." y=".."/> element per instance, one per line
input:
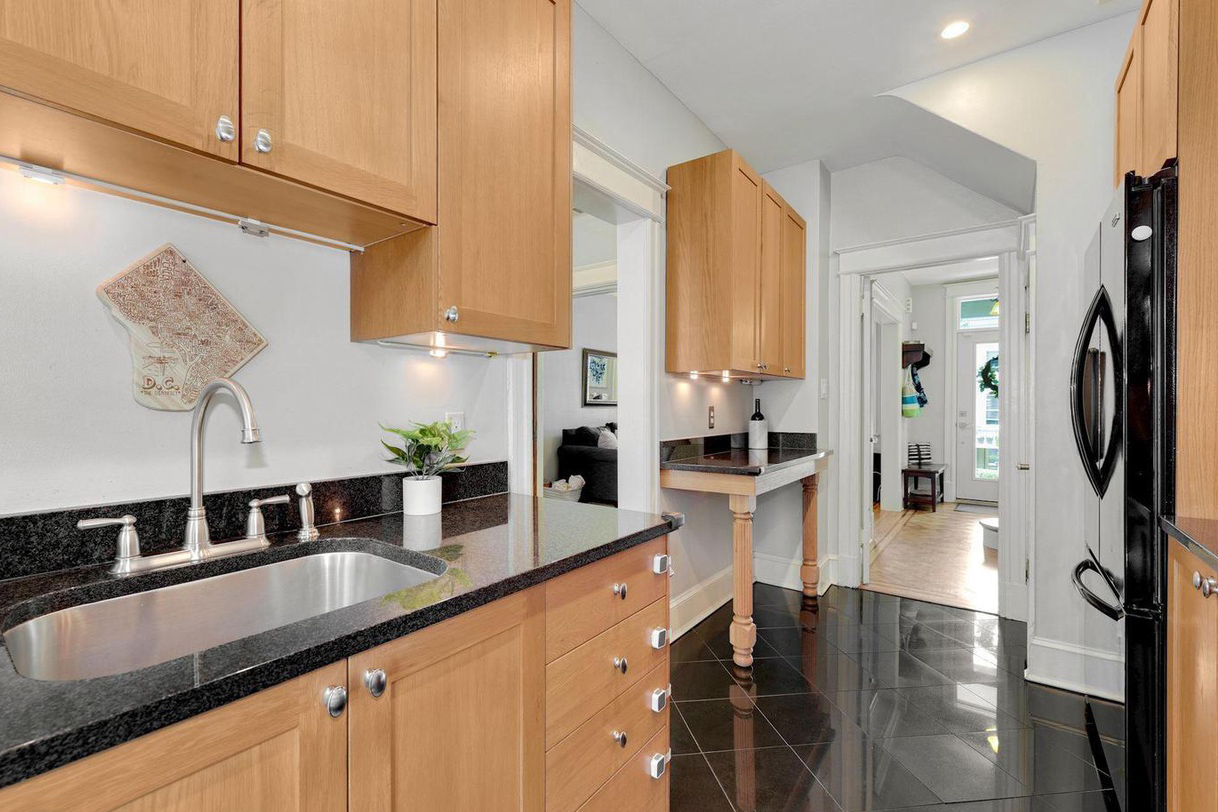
<point x="977" y="424"/>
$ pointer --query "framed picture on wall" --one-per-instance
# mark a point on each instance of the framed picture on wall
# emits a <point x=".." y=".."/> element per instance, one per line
<point x="600" y="378"/>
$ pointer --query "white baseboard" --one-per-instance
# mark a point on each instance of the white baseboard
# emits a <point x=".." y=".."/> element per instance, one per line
<point x="693" y="605"/>
<point x="1076" y="668"/>
<point x="777" y="570"/>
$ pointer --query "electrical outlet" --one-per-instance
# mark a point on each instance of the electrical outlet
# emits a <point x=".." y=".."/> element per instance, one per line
<point x="457" y="419"/>
<point x="710" y="417"/>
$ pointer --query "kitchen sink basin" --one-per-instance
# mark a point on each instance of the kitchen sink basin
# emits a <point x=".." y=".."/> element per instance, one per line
<point x="123" y="634"/>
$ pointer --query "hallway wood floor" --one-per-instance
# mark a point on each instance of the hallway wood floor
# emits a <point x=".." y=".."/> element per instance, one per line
<point x="937" y="557"/>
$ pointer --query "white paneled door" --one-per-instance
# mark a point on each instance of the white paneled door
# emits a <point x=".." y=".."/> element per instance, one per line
<point x="977" y="419"/>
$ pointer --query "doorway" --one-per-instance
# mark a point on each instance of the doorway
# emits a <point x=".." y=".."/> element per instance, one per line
<point x="931" y="541"/>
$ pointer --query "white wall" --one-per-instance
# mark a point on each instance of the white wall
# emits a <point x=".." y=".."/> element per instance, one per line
<point x="929" y="314"/>
<point x="621" y="103"/>
<point x="1052" y="101"/>
<point x="594" y="327"/>
<point x="71" y="433"/>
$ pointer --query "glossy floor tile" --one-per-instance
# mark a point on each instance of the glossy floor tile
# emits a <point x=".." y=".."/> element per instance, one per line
<point x="873" y="702"/>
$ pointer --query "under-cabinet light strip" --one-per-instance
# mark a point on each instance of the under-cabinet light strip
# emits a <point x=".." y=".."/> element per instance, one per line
<point x="180" y="204"/>
<point x="400" y="345"/>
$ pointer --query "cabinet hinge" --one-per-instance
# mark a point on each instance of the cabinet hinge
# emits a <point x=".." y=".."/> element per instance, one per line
<point x="1027" y="571"/>
<point x="1027" y="323"/>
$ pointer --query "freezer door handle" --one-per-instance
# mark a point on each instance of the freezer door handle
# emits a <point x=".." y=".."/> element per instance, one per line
<point x="1086" y="395"/>
<point x="1114" y="612"/>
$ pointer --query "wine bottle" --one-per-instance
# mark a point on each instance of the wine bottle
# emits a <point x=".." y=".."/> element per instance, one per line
<point x="759" y="428"/>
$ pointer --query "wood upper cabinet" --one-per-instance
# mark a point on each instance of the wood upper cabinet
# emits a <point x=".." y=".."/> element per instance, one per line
<point x="794" y="293"/>
<point x="1129" y="110"/>
<point x="165" y="68"/>
<point x="275" y="751"/>
<point x="461" y="722"/>
<point x="341" y="94"/>
<point x="496" y="272"/>
<point x="732" y="270"/>
<point x="1192" y="686"/>
<point x="1147" y="92"/>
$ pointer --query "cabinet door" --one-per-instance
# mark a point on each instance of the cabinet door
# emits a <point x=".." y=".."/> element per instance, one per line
<point x="1129" y="110"/>
<point x="794" y="291"/>
<point x="461" y="722"/>
<point x="167" y="68"/>
<point x="1160" y="46"/>
<point x="1192" y="687"/>
<point x="505" y="168"/>
<point x="276" y="751"/>
<point x="769" y="316"/>
<point x="345" y="92"/>
<point x="746" y="208"/>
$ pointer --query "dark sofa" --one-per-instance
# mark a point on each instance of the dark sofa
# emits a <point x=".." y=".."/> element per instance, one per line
<point x="579" y="454"/>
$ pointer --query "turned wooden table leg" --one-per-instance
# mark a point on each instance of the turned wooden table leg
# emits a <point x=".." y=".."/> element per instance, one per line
<point x="743" y="633"/>
<point x="809" y="573"/>
<point x="744" y="741"/>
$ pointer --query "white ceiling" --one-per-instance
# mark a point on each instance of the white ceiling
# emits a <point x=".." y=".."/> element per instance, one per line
<point x="966" y="271"/>
<point x="786" y="81"/>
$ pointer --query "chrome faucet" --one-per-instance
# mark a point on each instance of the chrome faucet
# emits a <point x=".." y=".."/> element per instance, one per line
<point x="198" y="537"/>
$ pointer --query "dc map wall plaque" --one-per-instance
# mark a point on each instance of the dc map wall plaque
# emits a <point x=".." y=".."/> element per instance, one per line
<point x="183" y="332"/>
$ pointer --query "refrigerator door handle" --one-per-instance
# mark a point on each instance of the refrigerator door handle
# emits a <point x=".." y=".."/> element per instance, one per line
<point x="1085" y="412"/>
<point x="1115" y="612"/>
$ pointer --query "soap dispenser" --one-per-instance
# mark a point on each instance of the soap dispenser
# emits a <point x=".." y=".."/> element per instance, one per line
<point x="759" y="428"/>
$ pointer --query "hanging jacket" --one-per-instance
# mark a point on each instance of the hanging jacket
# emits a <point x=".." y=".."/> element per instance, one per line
<point x="922" y="398"/>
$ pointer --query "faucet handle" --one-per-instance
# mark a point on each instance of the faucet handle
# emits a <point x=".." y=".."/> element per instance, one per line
<point x="307" y="532"/>
<point x="255" y="527"/>
<point x="128" y="540"/>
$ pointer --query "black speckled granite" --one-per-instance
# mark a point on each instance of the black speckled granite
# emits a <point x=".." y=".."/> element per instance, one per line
<point x="1200" y="536"/>
<point x="729" y="453"/>
<point x="33" y="543"/>
<point x="492" y="547"/>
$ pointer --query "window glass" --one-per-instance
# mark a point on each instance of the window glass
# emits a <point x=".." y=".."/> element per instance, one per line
<point x="979" y="314"/>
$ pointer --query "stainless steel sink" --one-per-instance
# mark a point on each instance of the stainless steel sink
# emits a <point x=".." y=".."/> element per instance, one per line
<point x="135" y="631"/>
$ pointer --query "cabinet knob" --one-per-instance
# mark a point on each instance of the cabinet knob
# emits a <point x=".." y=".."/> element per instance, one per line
<point x="376" y="681"/>
<point x="786" y="370"/>
<point x="620" y="590"/>
<point x="225" y="130"/>
<point x="619" y="736"/>
<point x="620" y="664"/>
<point x="262" y="141"/>
<point x="452" y="314"/>
<point x="1208" y="587"/>
<point x="335" y="698"/>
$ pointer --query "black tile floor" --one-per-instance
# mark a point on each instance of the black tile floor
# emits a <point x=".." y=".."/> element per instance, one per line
<point x="875" y="702"/>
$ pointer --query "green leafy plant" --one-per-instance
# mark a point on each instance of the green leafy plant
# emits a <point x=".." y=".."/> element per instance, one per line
<point x="987" y="377"/>
<point x="428" y="448"/>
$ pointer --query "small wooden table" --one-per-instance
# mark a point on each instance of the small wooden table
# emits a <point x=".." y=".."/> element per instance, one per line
<point x="718" y="473"/>
<point x="910" y="477"/>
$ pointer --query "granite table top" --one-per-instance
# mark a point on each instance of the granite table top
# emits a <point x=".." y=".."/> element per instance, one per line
<point x="746" y="462"/>
<point x="484" y="548"/>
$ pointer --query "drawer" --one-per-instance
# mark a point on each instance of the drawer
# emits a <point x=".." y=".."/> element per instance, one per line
<point x="582" y="682"/>
<point x="582" y="762"/>
<point x="582" y="604"/>
<point x="633" y="787"/>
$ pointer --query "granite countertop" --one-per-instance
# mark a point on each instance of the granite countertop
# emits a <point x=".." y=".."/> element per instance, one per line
<point x="1199" y="535"/>
<point x="491" y="546"/>
<point x="744" y="461"/>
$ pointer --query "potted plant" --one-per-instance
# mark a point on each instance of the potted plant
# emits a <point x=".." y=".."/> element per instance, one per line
<point x="426" y="450"/>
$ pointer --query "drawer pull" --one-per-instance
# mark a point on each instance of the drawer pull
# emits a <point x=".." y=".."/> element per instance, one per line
<point x="335" y="699"/>
<point x="659" y="564"/>
<point x="620" y="664"/>
<point x="620" y="590"/>
<point x="658" y="700"/>
<point x="619" y="736"/>
<point x="658" y="638"/>
<point x="658" y="764"/>
<point x="376" y="681"/>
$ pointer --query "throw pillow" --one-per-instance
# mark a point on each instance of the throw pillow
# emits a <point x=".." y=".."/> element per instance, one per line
<point x="607" y="439"/>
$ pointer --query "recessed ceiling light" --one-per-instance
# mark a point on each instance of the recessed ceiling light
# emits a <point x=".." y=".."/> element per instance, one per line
<point x="954" y="30"/>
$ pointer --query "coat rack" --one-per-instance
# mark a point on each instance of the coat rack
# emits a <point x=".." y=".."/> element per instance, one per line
<point x="914" y="354"/>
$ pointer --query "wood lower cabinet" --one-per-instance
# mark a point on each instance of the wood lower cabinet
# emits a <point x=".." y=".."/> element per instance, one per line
<point x="166" y="68"/>
<point x="736" y="273"/>
<point x="1192" y="684"/>
<point x="341" y="94"/>
<point x="276" y="751"/>
<point x="461" y="722"/>
<point x="496" y="271"/>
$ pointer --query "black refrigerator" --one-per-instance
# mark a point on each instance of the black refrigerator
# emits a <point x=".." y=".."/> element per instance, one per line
<point x="1123" y="408"/>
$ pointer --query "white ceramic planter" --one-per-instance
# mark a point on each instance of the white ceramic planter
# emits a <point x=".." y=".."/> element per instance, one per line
<point x="421" y="495"/>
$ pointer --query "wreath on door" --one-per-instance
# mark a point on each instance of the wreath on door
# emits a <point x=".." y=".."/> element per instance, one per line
<point x="987" y="377"/>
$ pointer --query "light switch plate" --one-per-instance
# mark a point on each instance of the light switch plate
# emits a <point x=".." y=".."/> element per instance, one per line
<point x="710" y="417"/>
<point x="457" y="419"/>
